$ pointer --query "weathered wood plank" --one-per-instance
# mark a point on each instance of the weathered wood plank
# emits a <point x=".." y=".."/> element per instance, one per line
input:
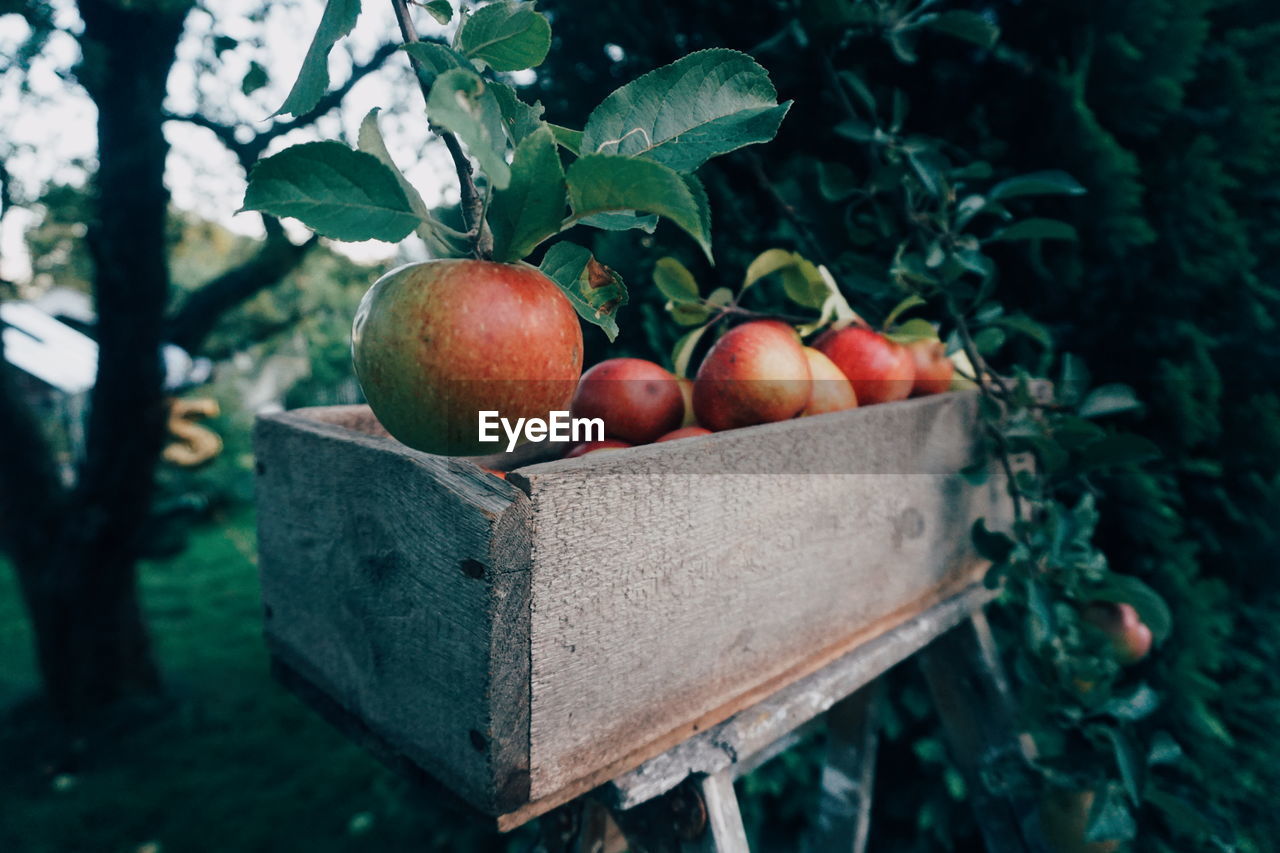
<point x="751" y="549"/>
<point x="843" y="818"/>
<point x="386" y="576"/>
<point x="967" y="682"/>
<point x="793" y="705"/>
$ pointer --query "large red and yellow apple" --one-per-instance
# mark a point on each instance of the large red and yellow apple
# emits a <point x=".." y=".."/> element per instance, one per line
<point x="880" y="370"/>
<point x="436" y="343"/>
<point x="832" y="391"/>
<point x="757" y="373"/>
<point x="933" y="368"/>
<point x="637" y="399"/>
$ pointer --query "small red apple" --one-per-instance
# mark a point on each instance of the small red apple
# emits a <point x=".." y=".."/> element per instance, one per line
<point x="757" y="373"/>
<point x="436" y="343"/>
<point x="880" y="370"/>
<point x="595" y="446"/>
<point x="1130" y="637"/>
<point x="685" y="432"/>
<point x="832" y="391"/>
<point x="637" y="399"/>
<point x="933" y="368"/>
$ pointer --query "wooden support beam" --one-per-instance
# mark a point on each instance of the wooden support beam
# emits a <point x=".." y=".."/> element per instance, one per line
<point x="844" y="801"/>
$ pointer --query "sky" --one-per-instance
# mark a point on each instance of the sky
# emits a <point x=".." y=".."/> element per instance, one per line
<point x="53" y="124"/>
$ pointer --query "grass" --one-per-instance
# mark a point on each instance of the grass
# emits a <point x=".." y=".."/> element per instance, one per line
<point x="231" y="762"/>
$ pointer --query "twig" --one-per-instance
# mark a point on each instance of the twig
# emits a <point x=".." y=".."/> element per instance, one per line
<point x="813" y="247"/>
<point x="472" y="203"/>
<point x="983" y="379"/>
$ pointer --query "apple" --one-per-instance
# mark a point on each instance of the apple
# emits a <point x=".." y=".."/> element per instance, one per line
<point x="686" y="389"/>
<point x="933" y="368"/>
<point x="880" y="370"/>
<point x="685" y="432"/>
<point x="435" y="343"/>
<point x="637" y="399"/>
<point x="757" y="373"/>
<point x="1130" y="637"/>
<point x="832" y="391"/>
<point x="595" y="446"/>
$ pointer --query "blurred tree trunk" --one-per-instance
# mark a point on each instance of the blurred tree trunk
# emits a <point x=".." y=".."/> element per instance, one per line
<point x="92" y="643"/>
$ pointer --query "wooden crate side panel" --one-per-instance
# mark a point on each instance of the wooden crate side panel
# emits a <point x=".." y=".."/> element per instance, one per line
<point x="750" y="573"/>
<point x="381" y="583"/>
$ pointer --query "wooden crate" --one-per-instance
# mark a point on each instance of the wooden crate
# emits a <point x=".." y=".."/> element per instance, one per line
<point x="524" y="641"/>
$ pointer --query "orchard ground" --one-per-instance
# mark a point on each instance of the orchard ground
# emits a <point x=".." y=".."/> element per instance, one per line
<point x="231" y="761"/>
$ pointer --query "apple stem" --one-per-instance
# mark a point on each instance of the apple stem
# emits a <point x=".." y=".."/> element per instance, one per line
<point x="471" y="202"/>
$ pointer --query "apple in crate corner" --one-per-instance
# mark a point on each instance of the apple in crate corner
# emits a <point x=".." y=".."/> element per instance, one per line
<point x="933" y="369"/>
<point x="435" y="343"/>
<point x="757" y="373"/>
<point x="637" y="399"/>
<point x="881" y="370"/>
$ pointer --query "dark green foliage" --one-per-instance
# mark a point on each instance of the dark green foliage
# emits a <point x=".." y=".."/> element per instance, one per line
<point x="1168" y="112"/>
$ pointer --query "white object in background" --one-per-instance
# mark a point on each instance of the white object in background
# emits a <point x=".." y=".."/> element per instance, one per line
<point x="48" y="349"/>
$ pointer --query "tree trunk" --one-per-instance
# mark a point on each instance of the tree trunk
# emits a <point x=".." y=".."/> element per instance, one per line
<point x="81" y="589"/>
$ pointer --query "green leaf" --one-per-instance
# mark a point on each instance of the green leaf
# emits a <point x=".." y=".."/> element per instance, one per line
<point x="970" y="26"/>
<point x="622" y="220"/>
<point x="1024" y="325"/>
<point x="596" y="291"/>
<point x="915" y="329"/>
<point x="689" y="313"/>
<point x="929" y="165"/>
<point x="338" y="20"/>
<point x="859" y="89"/>
<point x="433" y="59"/>
<point x="609" y="182"/>
<point x="1109" y="818"/>
<point x="1132" y="768"/>
<point x="461" y="102"/>
<point x="337" y="192"/>
<point x="683" y="114"/>
<point x="441" y="10"/>
<point x="1164" y="750"/>
<point x="1119" y="449"/>
<point x="989" y="340"/>
<point x="674" y="280"/>
<point x="773" y="260"/>
<point x="1052" y="182"/>
<point x="1137" y="705"/>
<point x="518" y="118"/>
<point x="568" y="139"/>
<point x="990" y="545"/>
<point x="532" y="206"/>
<point x="1151" y="607"/>
<point x="903" y="307"/>
<point x="1036" y="229"/>
<point x="508" y="36"/>
<point x="369" y="140"/>
<point x="254" y="79"/>
<point x="836" y="181"/>
<point x="682" y="352"/>
<point x="1109" y="400"/>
